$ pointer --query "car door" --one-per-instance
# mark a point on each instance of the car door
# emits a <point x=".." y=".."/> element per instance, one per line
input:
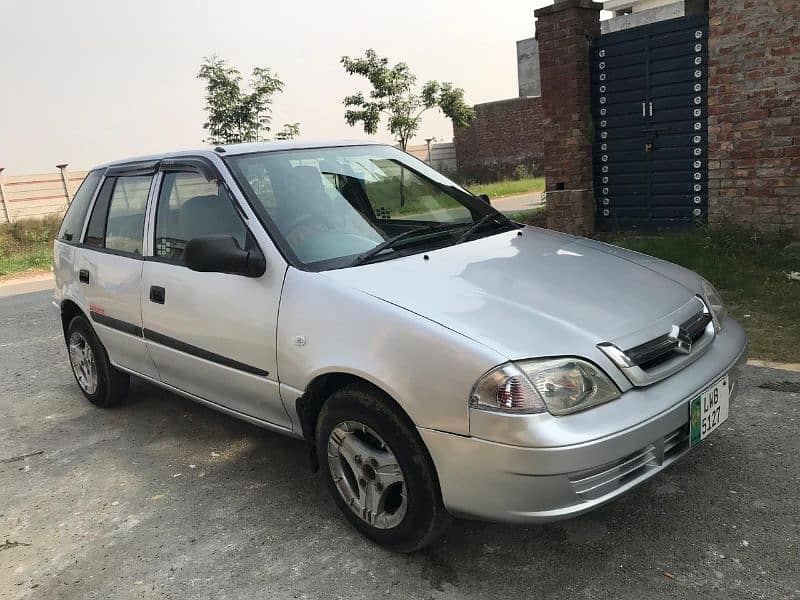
<point x="110" y="265"/>
<point x="210" y="334"/>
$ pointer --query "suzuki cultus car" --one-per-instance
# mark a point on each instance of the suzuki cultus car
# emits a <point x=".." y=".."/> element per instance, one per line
<point x="439" y="358"/>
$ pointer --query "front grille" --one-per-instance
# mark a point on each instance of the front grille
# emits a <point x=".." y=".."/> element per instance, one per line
<point x="653" y="353"/>
<point x="666" y="353"/>
<point x="599" y="481"/>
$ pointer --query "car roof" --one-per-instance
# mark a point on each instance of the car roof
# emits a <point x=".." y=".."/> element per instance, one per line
<point x="248" y="148"/>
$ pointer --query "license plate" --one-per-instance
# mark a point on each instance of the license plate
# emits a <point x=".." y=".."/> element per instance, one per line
<point x="708" y="410"/>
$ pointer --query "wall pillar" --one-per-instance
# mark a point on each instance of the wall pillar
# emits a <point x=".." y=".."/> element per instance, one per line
<point x="565" y="31"/>
<point x="63" y="169"/>
<point x="3" y="198"/>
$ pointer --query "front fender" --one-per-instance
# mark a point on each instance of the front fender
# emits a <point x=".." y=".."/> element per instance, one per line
<point x="326" y="327"/>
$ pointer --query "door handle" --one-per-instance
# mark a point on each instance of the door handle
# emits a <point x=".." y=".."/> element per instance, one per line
<point x="651" y="109"/>
<point x="644" y="109"/>
<point x="157" y="294"/>
<point x="83" y="276"/>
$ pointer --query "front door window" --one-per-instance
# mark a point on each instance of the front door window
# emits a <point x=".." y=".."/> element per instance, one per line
<point x="189" y="206"/>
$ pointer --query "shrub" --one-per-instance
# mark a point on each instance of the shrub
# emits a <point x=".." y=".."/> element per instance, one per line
<point x="498" y="170"/>
<point x="29" y="233"/>
<point x="522" y="172"/>
<point x="27" y="244"/>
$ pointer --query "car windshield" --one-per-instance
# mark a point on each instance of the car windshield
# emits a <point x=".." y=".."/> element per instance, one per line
<point x="335" y="207"/>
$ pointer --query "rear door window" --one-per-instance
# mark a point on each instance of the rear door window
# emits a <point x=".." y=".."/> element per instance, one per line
<point x="125" y="227"/>
<point x="72" y="225"/>
<point x="117" y="221"/>
<point x="96" y="230"/>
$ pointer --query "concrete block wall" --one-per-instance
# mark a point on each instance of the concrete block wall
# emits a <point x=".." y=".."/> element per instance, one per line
<point x="529" y="77"/>
<point x="442" y="155"/>
<point x="37" y="196"/>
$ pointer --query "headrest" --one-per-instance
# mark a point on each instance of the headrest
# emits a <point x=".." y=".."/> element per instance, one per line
<point x="306" y="179"/>
<point x="208" y="215"/>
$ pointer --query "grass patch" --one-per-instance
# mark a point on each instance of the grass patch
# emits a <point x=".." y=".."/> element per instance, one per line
<point x="508" y="187"/>
<point x="27" y="245"/>
<point x="536" y="217"/>
<point x="749" y="270"/>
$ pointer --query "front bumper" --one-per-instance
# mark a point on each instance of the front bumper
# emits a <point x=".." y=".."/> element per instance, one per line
<point x="491" y="480"/>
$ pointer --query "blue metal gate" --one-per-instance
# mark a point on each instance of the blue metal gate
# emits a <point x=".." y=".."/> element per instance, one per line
<point x="649" y="102"/>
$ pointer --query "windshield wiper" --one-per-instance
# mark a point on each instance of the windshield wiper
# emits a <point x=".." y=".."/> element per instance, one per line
<point x="372" y="252"/>
<point x="480" y="223"/>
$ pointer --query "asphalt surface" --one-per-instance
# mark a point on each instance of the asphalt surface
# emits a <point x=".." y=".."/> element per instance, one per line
<point x="163" y="498"/>
<point x="519" y="203"/>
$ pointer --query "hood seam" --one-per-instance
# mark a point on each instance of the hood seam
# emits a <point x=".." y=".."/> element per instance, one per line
<point x="462" y="334"/>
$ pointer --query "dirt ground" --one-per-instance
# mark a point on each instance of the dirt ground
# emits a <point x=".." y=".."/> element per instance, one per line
<point x="163" y="498"/>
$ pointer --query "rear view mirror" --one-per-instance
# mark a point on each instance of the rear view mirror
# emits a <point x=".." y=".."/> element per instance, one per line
<point x="222" y="254"/>
<point x="485" y="198"/>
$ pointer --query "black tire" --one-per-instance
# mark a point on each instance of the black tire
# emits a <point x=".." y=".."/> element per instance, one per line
<point x="112" y="384"/>
<point x="425" y="515"/>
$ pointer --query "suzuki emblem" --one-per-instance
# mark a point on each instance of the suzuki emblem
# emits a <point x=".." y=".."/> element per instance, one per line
<point x="683" y="343"/>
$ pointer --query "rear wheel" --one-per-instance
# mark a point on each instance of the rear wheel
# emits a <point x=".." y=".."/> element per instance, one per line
<point x="101" y="383"/>
<point x="378" y="470"/>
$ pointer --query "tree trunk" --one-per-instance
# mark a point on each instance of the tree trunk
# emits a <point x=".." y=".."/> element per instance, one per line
<point x="402" y="187"/>
<point x="403" y="146"/>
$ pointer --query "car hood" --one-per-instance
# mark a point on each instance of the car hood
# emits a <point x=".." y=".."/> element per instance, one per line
<point x="531" y="292"/>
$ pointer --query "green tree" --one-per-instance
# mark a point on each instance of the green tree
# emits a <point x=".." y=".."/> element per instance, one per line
<point x="234" y="114"/>
<point x="289" y="131"/>
<point x="395" y="96"/>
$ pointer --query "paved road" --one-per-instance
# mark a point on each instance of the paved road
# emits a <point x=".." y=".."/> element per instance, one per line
<point x="163" y="498"/>
<point x="26" y="285"/>
<point x="519" y="203"/>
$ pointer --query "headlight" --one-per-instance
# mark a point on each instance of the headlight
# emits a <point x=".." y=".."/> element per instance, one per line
<point x="558" y="385"/>
<point x="714" y="301"/>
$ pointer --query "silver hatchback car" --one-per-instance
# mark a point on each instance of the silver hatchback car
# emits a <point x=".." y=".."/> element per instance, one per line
<point x="437" y="357"/>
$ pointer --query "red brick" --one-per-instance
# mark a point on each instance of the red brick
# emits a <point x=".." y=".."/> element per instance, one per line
<point x="754" y="114"/>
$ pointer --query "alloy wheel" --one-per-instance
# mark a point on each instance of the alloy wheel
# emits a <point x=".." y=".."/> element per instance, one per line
<point x="367" y="474"/>
<point x="83" y="363"/>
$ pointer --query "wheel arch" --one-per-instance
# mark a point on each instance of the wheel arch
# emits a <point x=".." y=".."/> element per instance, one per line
<point x="322" y="387"/>
<point x="70" y="310"/>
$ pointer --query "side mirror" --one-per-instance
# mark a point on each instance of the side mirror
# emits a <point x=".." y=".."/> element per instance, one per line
<point x="222" y="254"/>
<point x="485" y="198"/>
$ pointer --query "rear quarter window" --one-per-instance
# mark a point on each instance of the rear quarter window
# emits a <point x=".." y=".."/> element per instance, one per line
<point x="72" y="225"/>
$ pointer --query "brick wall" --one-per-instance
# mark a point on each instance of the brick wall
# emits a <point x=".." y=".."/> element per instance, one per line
<point x="504" y="134"/>
<point x="754" y="113"/>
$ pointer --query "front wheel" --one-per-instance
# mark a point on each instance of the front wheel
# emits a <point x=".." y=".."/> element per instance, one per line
<point x="378" y="470"/>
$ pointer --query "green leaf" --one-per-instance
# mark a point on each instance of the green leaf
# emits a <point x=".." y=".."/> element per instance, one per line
<point x="236" y="115"/>
<point x="394" y="97"/>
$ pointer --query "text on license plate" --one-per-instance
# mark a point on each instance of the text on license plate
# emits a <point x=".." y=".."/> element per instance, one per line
<point x="708" y="410"/>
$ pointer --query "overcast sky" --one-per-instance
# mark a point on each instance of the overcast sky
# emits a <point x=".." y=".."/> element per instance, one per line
<point x="88" y="81"/>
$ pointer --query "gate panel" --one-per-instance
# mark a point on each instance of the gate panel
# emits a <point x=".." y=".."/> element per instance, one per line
<point x="649" y="102"/>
